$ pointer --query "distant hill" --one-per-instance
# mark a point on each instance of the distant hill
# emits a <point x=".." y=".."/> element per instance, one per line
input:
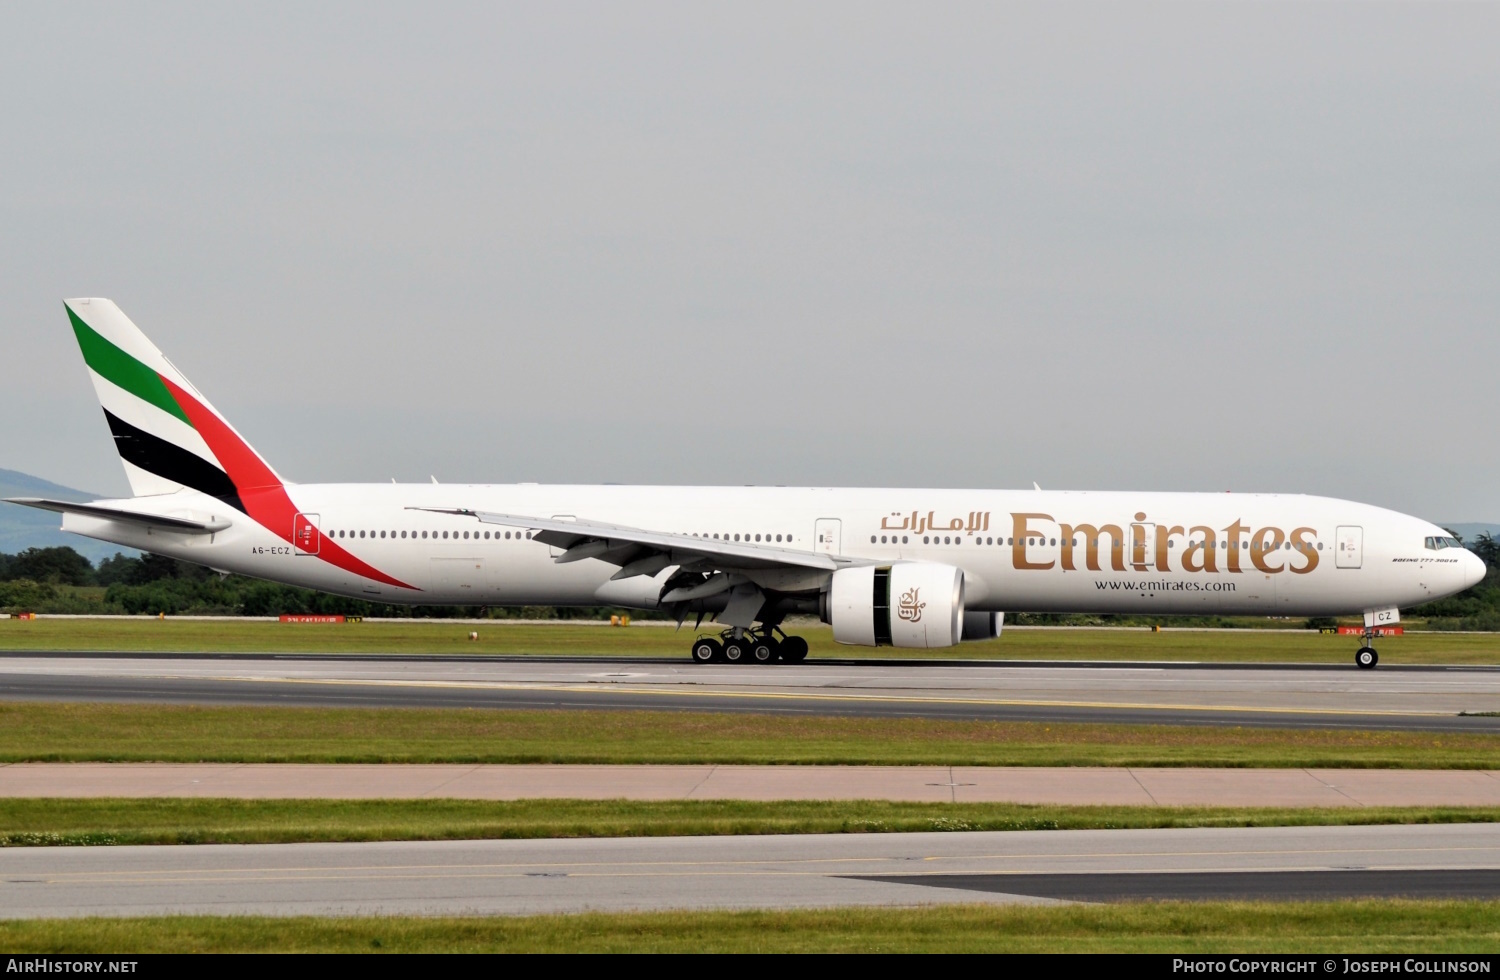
<point x="25" y="527"/>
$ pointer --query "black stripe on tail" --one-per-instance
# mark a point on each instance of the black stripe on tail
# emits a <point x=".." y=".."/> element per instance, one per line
<point x="155" y="455"/>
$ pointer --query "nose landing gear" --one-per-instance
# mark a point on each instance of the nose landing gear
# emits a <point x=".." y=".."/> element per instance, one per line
<point x="1366" y="658"/>
<point x="756" y="647"/>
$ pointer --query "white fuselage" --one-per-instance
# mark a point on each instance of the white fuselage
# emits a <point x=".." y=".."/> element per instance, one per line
<point x="1037" y="551"/>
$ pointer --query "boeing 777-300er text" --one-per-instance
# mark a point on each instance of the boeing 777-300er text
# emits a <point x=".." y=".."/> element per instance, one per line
<point x="900" y="567"/>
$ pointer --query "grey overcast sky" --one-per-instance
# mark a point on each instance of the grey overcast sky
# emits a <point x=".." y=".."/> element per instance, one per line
<point x="1143" y="246"/>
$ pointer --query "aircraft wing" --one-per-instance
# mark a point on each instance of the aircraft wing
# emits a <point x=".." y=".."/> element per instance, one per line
<point x="640" y="552"/>
<point x="181" y="525"/>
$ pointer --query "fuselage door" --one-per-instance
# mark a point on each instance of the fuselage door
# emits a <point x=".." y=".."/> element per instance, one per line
<point x="1349" y="545"/>
<point x="305" y="535"/>
<point x="827" y="535"/>
<point x="1143" y="546"/>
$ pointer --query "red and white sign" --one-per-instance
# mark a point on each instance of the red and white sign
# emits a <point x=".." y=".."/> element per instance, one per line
<point x="1379" y="631"/>
<point x="294" y="618"/>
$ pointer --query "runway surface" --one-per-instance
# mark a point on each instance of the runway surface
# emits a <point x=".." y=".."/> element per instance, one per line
<point x="929" y="784"/>
<point x="1254" y="695"/>
<point x="521" y="877"/>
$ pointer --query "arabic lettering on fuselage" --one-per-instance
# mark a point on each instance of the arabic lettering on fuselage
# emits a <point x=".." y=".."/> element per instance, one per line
<point x="1039" y="542"/>
<point x="977" y="522"/>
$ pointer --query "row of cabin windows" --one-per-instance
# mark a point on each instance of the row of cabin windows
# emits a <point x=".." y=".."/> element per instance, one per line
<point x="415" y="534"/>
<point x="506" y="537"/>
<point x="1041" y="542"/>
<point x="726" y="536"/>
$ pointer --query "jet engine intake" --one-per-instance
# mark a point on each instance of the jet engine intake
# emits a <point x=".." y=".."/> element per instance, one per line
<point x="915" y="604"/>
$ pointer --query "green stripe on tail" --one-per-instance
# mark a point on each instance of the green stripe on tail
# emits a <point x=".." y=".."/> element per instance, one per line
<point x="119" y="368"/>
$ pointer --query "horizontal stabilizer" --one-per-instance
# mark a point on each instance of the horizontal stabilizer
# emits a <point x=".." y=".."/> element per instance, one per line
<point x="181" y="525"/>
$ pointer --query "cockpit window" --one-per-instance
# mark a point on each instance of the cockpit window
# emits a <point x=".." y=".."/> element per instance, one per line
<point x="1439" y="543"/>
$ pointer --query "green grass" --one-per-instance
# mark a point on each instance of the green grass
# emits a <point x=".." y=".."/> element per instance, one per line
<point x="85" y="822"/>
<point x="1371" y="926"/>
<point x="62" y="732"/>
<point x="436" y="636"/>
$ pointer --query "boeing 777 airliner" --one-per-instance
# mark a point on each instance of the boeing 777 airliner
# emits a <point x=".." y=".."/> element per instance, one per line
<point x="901" y="567"/>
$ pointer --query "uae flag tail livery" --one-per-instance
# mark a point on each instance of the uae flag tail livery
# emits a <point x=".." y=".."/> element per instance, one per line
<point x="170" y="438"/>
<point x="166" y="432"/>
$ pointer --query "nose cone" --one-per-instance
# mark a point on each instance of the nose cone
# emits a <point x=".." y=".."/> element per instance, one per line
<point x="1474" y="569"/>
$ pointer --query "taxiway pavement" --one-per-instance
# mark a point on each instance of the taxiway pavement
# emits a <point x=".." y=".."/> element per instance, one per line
<point x="1452" y="699"/>
<point x="513" y="877"/>
<point x="1081" y="785"/>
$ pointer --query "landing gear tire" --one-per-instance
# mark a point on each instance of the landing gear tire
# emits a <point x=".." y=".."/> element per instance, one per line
<point x="1366" y="658"/>
<point x="736" y="651"/>
<point x="707" y="650"/>
<point x="793" y="649"/>
<point x="764" y="651"/>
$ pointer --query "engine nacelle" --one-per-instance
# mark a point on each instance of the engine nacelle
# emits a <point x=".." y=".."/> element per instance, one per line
<point x="914" y="604"/>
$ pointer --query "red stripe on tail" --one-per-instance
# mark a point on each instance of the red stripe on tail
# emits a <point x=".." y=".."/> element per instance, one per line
<point x="264" y="497"/>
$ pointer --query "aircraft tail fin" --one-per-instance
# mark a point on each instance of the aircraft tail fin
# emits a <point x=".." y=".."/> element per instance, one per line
<point x="169" y="437"/>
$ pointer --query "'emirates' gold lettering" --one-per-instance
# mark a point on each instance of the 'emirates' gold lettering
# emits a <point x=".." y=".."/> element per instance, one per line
<point x="1090" y="535"/>
<point x="1266" y="542"/>
<point x="1163" y="544"/>
<point x="1203" y="547"/>
<point x="1234" y="531"/>
<point x="1141" y="545"/>
<point x="1021" y="528"/>
<point x="1306" y="547"/>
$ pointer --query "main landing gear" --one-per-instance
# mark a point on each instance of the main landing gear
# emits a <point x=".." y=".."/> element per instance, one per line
<point x="740" y="646"/>
<point x="1366" y="658"/>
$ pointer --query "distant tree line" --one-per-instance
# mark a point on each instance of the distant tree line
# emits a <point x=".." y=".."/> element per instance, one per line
<point x="60" y="580"/>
